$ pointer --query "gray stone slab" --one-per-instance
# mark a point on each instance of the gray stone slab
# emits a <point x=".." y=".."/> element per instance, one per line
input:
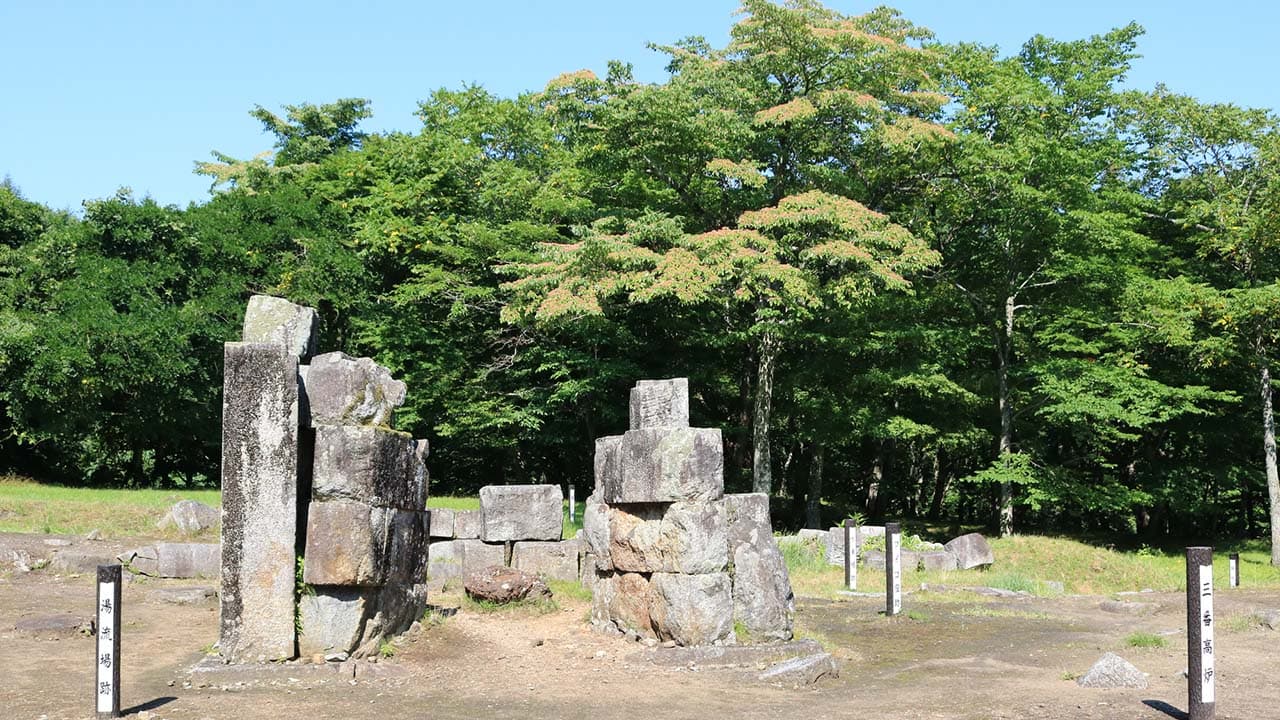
<point x="803" y="670"/>
<point x="407" y="548"/>
<point x="660" y="403"/>
<point x="333" y="619"/>
<point x="672" y="538"/>
<point x="184" y="595"/>
<point x="259" y="501"/>
<point x="69" y="560"/>
<point x="54" y="626"/>
<point x="692" y="609"/>
<point x="441" y="522"/>
<point x="372" y="465"/>
<point x="445" y="560"/>
<point x="1112" y="671"/>
<point x="729" y="656"/>
<point x="664" y="465"/>
<point x="478" y="555"/>
<point x="467" y="524"/>
<point x="346" y="544"/>
<point x="937" y="560"/>
<point x="763" y="602"/>
<point x="595" y="530"/>
<point x="342" y="390"/>
<point x="554" y="560"/>
<point x="835" y="541"/>
<point x="188" y="560"/>
<point x="607" y="464"/>
<point x="521" y="512"/>
<point x="971" y="551"/>
<point x="275" y="320"/>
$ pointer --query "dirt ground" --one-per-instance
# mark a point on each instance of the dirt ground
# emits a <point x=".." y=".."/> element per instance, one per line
<point x="956" y="656"/>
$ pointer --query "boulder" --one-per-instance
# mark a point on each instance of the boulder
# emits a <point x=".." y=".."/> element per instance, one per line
<point x="371" y="465"/>
<point x="937" y="560"/>
<point x="835" y="541"/>
<point x="556" y="560"/>
<point x="190" y="517"/>
<point x="971" y="551"/>
<point x="1113" y="671"/>
<point x="342" y="390"/>
<point x="660" y="403"/>
<point x="812" y="535"/>
<point x="763" y="603"/>
<point x="675" y="538"/>
<point x="275" y="320"/>
<point x="407" y="547"/>
<point x="259" y="501"/>
<point x="441" y="525"/>
<point x="664" y="465"/>
<point x="595" y="528"/>
<point x="444" y="560"/>
<point x="501" y="585"/>
<point x="1270" y="619"/>
<point x="346" y="543"/>
<point x="692" y="609"/>
<point x="332" y="619"/>
<point x="467" y="524"/>
<point x="607" y="464"/>
<point x="521" y="512"/>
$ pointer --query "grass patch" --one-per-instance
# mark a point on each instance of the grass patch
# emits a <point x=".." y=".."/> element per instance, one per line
<point x="531" y="606"/>
<point x="1240" y="623"/>
<point x="989" y="612"/>
<point x="31" y="507"/>
<point x="1029" y="563"/>
<point x="917" y="615"/>
<point x="569" y="589"/>
<point x="1145" y="640"/>
<point x="386" y="650"/>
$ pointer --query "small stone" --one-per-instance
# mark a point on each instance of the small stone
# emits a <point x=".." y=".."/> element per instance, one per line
<point x="94" y="534"/>
<point x="57" y="542"/>
<point x="1269" y="619"/>
<point x="802" y="670"/>
<point x="1113" y="671"/>
<point x="336" y="657"/>
<point x="503" y="585"/>
<point x="190" y="517"/>
<point x="317" y="659"/>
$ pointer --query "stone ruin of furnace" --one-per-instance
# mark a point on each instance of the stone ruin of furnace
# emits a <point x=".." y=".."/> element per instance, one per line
<point x="676" y="559"/>
<point x="312" y="468"/>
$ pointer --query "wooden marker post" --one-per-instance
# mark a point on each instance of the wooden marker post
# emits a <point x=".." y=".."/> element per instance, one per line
<point x="850" y="555"/>
<point x="892" y="569"/>
<point x="1234" y="574"/>
<point x="572" y="504"/>
<point x="1200" y="647"/>
<point x="106" y="686"/>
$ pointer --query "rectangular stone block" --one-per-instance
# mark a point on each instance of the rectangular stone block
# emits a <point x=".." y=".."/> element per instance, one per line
<point x="467" y="524"/>
<point x="660" y="403"/>
<point x="333" y="619"/>
<point x="521" y="512"/>
<point x="691" y="609"/>
<point x="835" y="541"/>
<point x="372" y="465"/>
<point x="188" y="560"/>
<point x="407" y="547"/>
<point x="608" y="463"/>
<point x="342" y="390"/>
<point x="346" y="543"/>
<point x="444" y="560"/>
<point x="622" y="601"/>
<point x="553" y="560"/>
<point x="478" y="555"/>
<point x="595" y="529"/>
<point x="259" y="501"/>
<point x="441" y="524"/>
<point x="672" y="538"/>
<point x="667" y="465"/>
<point x="274" y="320"/>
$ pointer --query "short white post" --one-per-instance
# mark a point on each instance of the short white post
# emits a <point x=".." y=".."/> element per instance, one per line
<point x="572" y="504"/>
<point x="850" y="555"/>
<point x="1234" y="570"/>
<point x="106" y="687"/>
<point x="893" y="568"/>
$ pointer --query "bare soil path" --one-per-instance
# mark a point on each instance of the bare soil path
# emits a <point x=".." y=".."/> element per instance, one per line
<point x="956" y="656"/>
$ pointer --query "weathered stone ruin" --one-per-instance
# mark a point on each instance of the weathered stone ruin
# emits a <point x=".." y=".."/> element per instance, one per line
<point x="675" y="558"/>
<point x="313" y="474"/>
<point x="517" y="526"/>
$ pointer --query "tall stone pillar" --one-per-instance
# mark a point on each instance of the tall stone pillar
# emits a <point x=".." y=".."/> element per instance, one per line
<point x="259" y="501"/>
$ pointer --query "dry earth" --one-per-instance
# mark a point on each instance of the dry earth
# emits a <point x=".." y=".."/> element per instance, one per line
<point x="956" y="657"/>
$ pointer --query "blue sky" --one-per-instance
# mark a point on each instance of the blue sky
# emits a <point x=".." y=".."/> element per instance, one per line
<point x="99" y="95"/>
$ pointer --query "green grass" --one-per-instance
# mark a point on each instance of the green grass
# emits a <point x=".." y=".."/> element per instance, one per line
<point x="1145" y="640"/>
<point x="569" y="589"/>
<point x="30" y="507"/>
<point x="982" y="611"/>
<point x="1029" y="562"/>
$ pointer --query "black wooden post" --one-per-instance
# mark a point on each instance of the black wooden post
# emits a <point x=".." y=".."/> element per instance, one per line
<point x="892" y="569"/>
<point x="106" y="686"/>
<point x="850" y="555"/>
<point x="1234" y="574"/>
<point x="1200" y="646"/>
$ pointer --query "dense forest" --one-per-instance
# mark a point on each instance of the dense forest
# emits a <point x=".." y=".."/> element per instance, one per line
<point x="907" y="280"/>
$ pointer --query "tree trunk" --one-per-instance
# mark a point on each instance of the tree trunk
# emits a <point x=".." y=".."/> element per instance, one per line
<point x="940" y="482"/>
<point x="873" y="490"/>
<point x="1269" y="452"/>
<point x="1005" y="350"/>
<point x="762" y="472"/>
<point x="813" y="499"/>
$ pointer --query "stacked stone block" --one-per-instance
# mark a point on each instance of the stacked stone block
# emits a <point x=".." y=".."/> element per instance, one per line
<point x="312" y="467"/>
<point x="517" y="525"/>
<point x="674" y="557"/>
